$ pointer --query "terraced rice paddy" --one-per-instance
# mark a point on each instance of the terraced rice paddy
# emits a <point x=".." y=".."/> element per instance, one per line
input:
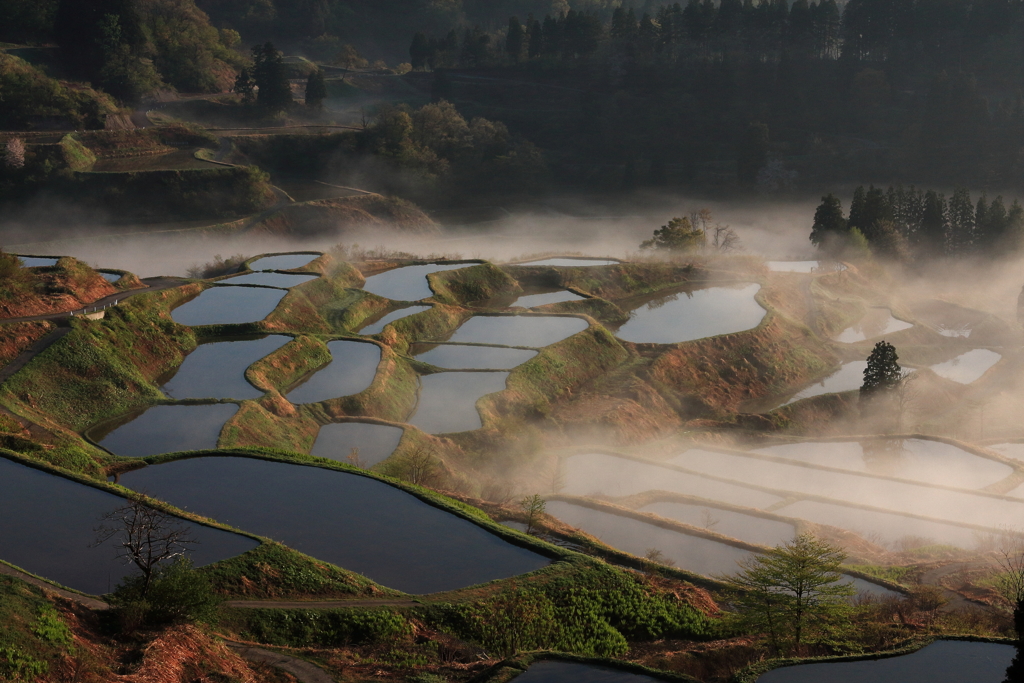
<point x="228" y="305"/>
<point x="376" y="325"/>
<point x="217" y="369"/>
<point x="281" y="280"/>
<point x="932" y="462"/>
<point x="340" y="518"/>
<point x="945" y="661"/>
<point x="161" y="429"/>
<point x="351" y="370"/>
<point x="730" y="523"/>
<point x="459" y="357"/>
<point x="283" y="262"/>
<point x="967" y="367"/>
<point x="50" y="526"/>
<point x="37" y="261"/>
<point x="447" y="401"/>
<point x="373" y="443"/>
<point x="570" y="262"/>
<point x="517" y="330"/>
<point x="574" y="672"/>
<point x="408" y="283"/>
<point x="543" y="299"/>
<point x="848" y="377"/>
<point x="111" y="277"/>
<point x="875" y="323"/>
<point x="694" y="314"/>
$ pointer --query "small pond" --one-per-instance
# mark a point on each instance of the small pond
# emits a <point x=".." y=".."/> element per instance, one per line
<point x="283" y="262"/>
<point x="518" y="330"/>
<point x="601" y="474"/>
<point x="847" y="378"/>
<point x="408" y="283"/>
<point x="459" y="357"/>
<point x="217" y="369"/>
<point x="726" y="522"/>
<point x="352" y="370"/>
<point x="447" y="401"/>
<point x="37" y="261"/>
<point x="967" y="367"/>
<point x="376" y="326"/>
<point x="875" y="323"/>
<point x="228" y="305"/>
<point x="805" y="266"/>
<point x="692" y="553"/>
<point x="374" y="442"/>
<point x="50" y="525"/>
<point x="111" y="277"/>
<point x="556" y="297"/>
<point x="569" y="262"/>
<point x="694" y="314"/>
<point x="166" y="429"/>
<point x="551" y="671"/>
<point x="281" y="280"/>
<point x="340" y="518"/>
<point x="932" y="462"/>
<point x="856" y="488"/>
<point x="947" y="661"/>
<point x="886" y="528"/>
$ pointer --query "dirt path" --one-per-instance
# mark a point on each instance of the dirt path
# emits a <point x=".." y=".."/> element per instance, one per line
<point x="300" y="668"/>
<point x="37" y="347"/>
<point x="91" y="603"/>
<point x="956" y="601"/>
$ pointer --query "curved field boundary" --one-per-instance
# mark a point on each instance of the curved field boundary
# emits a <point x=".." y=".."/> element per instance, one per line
<point x="306" y="672"/>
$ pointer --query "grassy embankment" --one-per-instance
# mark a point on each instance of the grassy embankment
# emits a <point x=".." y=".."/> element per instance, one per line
<point x="65" y="286"/>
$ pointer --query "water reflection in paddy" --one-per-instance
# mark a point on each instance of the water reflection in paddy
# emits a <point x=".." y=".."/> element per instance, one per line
<point x="875" y="323"/>
<point x="942" y="662"/>
<point x="228" y="305"/>
<point x="856" y="488"/>
<point x="340" y="518"/>
<point x="37" y="261"/>
<point x="726" y="522"/>
<point x="165" y="429"/>
<point x="1010" y="450"/>
<point x="569" y="262"/>
<point x="600" y="474"/>
<point x="518" y="330"/>
<point x="847" y="378"/>
<point x="688" y="315"/>
<point x="532" y="300"/>
<point x="352" y="370"/>
<point x="282" y="280"/>
<point x="49" y="526"/>
<point x="459" y="357"/>
<point x="373" y="442"/>
<point x="882" y="527"/>
<point x="408" y="283"/>
<point x="447" y="401"/>
<point x="283" y="262"/>
<point x="376" y="326"/>
<point x="691" y="553"/>
<point x="967" y="367"/>
<point x="111" y="277"/>
<point x="217" y="369"/>
<point x="932" y="462"/>
<point x="574" y="672"/>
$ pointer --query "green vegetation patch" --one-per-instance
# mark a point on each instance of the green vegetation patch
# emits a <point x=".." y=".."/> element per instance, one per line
<point x="320" y="627"/>
<point x="31" y="97"/>
<point x="311" y="306"/>
<point x="272" y="422"/>
<point x="615" y="281"/>
<point x="476" y="283"/>
<point x="33" y="635"/>
<point x="288" y="364"/>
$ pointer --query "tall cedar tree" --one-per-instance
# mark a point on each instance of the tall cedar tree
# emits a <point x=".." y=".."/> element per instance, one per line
<point x="883" y="372"/>
<point x="515" y="40"/>
<point x="829" y="222"/>
<point x="268" y="70"/>
<point x="316" y="90"/>
<point x="752" y="153"/>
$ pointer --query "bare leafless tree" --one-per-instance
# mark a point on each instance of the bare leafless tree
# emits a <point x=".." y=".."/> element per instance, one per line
<point x="904" y="394"/>
<point x="144" y="536"/>
<point x="354" y="459"/>
<point x="724" y="239"/>
<point x="534" y="507"/>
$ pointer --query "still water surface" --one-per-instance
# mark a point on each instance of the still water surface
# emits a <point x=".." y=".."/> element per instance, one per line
<point x="217" y="369"/>
<point x="688" y="315"/>
<point x="518" y="330"/>
<point x="408" y="283"/>
<point x="377" y="326"/>
<point x="726" y="522"/>
<point x="349" y="520"/>
<point x="458" y="357"/>
<point x="282" y="280"/>
<point x="847" y="378"/>
<point x="228" y="305"/>
<point x="447" y="401"/>
<point x="967" y="367"/>
<point x="283" y="262"/>
<point x="374" y="442"/>
<point x="569" y="262"/>
<point x="49" y="526"/>
<point x="352" y="370"/>
<point x="875" y="323"/>
<point x="167" y="429"/>
<point x="36" y="261"/>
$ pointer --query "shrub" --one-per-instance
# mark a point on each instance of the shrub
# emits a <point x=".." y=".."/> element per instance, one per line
<point x="177" y="594"/>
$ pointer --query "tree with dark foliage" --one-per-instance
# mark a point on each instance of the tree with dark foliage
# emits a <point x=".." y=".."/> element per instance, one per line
<point x="274" y="92"/>
<point x="883" y="373"/>
<point x="316" y="90"/>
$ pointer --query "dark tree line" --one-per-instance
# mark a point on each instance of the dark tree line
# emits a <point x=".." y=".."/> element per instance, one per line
<point x="899" y="222"/>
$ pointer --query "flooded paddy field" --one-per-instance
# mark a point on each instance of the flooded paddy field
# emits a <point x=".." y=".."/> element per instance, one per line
<point x="447" y="400"/>
<point x="462" y="357"/>
<point x="351" y="370"/>
<point x="50" y="526"/>
<point x="280" y="280"/>
<point x="730" y="523"/>
<point x="569" y="262"/>
<point x="407" y="283"/>
<point x="216" y="369"/>
<point x="967" y="367"/>
<point x="692" y="314"/>
<point x="228" y="305"/>
<point x="283" y="262"/>
<point x="875" y="323"/>
<point x="517" y="330"/>
<point x="364" y="442"/>
<point x="37" y="261"/>
<point x="847" y="378"/>
<point x="376" y="325"/>
<point x="339" y="518"/>
<point x="945" y="661"/>
<point x="165" y="429"/>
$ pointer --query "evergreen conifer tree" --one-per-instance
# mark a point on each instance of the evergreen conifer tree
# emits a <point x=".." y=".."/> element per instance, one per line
<point x="274" y="90"/>
<point x="316" y="90"/>
<point x="829" y="223"/>
<point x="515" y="39"/>
<point x="883" y="372"/>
